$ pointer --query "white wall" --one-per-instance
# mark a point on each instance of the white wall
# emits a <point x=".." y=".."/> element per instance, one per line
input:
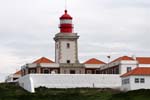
<point x="93" y="65"/>
<point x="26" y="82"/>
<point x="145" y="85"/>
<point x="125" y="87"/>
<point x="68" y="53"/>
<point x="63" y="53"/>
<point x="134" y="86"/>
<point x="31" y="65"/>
<point x="69" y="81"/>
<point x="124" y="64"/>
<point x="57" y="53"/>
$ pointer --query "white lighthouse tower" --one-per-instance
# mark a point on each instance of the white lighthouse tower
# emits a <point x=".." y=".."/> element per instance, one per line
<point x="66" y="46"/>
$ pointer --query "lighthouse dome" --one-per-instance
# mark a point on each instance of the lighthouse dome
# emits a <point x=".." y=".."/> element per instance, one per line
<point x="65" y="16"/>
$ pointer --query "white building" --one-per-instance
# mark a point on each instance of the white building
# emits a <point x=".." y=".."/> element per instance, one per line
<point x="120" y="66"/>
<point x="138" y="78"/>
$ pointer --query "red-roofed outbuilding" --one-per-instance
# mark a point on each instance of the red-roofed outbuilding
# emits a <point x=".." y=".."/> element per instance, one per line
<point x="138" y="78"/>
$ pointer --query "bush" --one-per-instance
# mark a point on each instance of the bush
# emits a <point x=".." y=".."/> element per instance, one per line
<point x="11" y="91"/>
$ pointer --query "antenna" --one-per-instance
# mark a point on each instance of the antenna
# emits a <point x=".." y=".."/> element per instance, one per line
<point x="65" y="4"/>
<point x="109" y="57"/>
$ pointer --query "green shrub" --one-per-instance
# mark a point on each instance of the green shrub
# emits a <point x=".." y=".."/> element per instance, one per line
<point x="11" y="91"/>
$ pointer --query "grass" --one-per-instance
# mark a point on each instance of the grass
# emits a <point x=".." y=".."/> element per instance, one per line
<point x="14" y="92"/>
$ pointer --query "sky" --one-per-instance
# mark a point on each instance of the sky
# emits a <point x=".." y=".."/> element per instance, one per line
<point x="106" y="27"/>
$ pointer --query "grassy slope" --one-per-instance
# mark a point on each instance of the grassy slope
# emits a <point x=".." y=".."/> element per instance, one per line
<point x="14" y="92"/>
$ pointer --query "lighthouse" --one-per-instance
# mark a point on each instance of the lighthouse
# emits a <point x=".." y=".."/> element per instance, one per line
<point x="66" y="44"/>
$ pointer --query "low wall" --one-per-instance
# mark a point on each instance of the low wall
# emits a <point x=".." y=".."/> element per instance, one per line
<point x="29" y="82"/>
<point x="26" y="82"/>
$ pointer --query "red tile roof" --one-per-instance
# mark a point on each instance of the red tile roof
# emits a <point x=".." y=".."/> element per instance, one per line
<point x="43" y="60"/>
<point x="18" y="72"/>
<point x="138" y="71"/>
<point x="123" y="58"/>
<point x="143" y="60"/>
<point x="94" y="61"/>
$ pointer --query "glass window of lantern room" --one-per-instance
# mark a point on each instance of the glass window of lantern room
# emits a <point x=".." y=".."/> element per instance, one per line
<point x="68" y="45"/>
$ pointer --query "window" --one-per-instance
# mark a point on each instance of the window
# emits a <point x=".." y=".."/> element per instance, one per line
<point x="32" y="71"/>
<point x="68" y="45"/>
<point x="136" y="80"/>
<point x="89" y="71"/>
<point x="97" y="71"/>
<point x="68" y="61"/>
<point x="56" y="71"/>
<point x="129" y="69"/>
<point x="142" y="80"/>
<point x="125" y="81"/>
<point x="46" y="71"/>
<point x="117" y="70"/>
<point x="72" y="71"/>
<point x="15" y="79"/>
<point x="93" y="71"/>
<point x="139" y="80"/>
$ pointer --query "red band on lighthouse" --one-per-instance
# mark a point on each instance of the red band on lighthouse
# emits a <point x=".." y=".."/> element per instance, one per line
<point x="66" y="23"/>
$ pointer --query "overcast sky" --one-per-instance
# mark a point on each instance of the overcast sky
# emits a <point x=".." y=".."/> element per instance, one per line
<point x="106" y="27"/>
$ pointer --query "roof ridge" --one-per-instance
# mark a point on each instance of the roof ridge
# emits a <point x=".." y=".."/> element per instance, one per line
<point x="122" y="58"/>
<point x="43" y="60"/>
<point x="94" y="61"/>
